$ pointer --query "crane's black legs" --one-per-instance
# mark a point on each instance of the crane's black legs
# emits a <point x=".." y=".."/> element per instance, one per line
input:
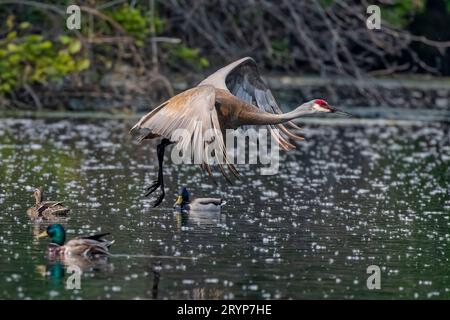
<point x="159" y="182"/>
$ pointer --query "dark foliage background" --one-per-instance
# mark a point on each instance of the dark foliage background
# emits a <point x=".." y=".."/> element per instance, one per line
<point x="129" y="54"/>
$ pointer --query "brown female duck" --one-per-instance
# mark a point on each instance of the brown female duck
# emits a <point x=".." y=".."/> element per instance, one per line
<point x="46" y="210"/>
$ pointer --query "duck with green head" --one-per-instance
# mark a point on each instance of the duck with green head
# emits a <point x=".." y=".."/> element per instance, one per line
<point x="185" y="203"/>
<point x="89" y="246"/>
<point x="46" y="210"/>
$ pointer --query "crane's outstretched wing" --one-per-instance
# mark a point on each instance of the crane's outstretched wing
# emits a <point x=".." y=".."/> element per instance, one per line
<point x="243" y="80"/>
<point x="190" y="120"/>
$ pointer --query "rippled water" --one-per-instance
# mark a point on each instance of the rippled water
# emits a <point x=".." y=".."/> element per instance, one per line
<point x="351" y="196"/>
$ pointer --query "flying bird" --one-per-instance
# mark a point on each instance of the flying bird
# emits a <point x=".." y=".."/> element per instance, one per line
<point x="232" y="97"/>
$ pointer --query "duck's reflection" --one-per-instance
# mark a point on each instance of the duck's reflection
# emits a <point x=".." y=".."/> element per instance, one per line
<point x="53" y="272"/>
<point x="59" y="271"/>
<point x="86" y="264"/>
<point x="205" y="293"/>
<point x="202" y="218"/>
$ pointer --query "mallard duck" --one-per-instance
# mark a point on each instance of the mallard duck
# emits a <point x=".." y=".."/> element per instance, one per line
<point x="199" y="204"/>
<point x="91" y="246"/>
<point x="46" y="210"/>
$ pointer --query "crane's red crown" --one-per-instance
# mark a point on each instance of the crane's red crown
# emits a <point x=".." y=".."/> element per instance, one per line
<point x="322" y="103"/>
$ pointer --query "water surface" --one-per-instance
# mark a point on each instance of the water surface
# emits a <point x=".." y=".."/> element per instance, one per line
<point x="351" y="196"/>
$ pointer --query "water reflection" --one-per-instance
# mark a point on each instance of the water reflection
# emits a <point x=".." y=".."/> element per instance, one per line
<point x="156" y="270"/>
<point x="202" y="218"/>
<point x="67" y="273"/>
<point x="54" y="272"/>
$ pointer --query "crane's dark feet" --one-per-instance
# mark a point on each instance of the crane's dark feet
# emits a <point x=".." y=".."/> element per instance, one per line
<point x="159" y="183"/>
<point x="155" y="184"/>
<point x="152" y="188"/>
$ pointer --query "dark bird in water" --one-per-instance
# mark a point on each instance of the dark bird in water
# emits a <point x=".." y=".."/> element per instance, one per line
<point x="232" y="97"/>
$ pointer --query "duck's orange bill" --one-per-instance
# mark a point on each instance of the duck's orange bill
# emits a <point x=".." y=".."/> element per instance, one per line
<point x="42" y="235"/>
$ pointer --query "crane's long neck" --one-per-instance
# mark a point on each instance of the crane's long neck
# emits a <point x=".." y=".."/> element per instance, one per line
<point x="256" y="117"/>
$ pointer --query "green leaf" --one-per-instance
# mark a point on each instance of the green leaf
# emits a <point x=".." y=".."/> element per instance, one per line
<point x="65" y="39"/>
<point x="12" y="47"/>
<point x="75" y="46"/>
<point x="204" y="62"/>
<point x="46" y="45"/>
<point x="12" y="35"/>
<point x="5" y="87"/>
<point x="14" y="58"/>
<point x="24" y="25"/>
<point x="33" y="38"/>
<point x="83" y="64"/>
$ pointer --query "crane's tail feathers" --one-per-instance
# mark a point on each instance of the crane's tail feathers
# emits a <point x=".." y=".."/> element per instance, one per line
<point x="289" y="133"/>
<point x="294" y="126"/>
<point x="290" y="123"/>
<point x="284" y="144"/>
<point x="233" y="170"/>
<point x="207" y="168"/>
<point x="224" y="174"/>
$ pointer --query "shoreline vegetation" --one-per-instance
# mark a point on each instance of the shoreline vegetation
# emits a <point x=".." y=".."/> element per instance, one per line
<point x="408" y="92"/>
<point x="128" y="56"/>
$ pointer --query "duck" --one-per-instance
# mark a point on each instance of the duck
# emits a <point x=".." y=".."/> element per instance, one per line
<point x="86" y="246"/>
<point x="200" y="204"/>
<point x="46" y="210"/>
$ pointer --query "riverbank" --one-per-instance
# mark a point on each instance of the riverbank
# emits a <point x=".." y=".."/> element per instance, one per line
<point x="121" y="92"/>
<point x="363" y="115"/>
<point x="399" y="92"/>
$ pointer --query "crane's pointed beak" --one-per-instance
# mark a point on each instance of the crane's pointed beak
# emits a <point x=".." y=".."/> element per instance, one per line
<point x="343" y="113"/>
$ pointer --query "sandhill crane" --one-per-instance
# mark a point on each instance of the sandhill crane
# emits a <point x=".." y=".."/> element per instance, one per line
<point x="234" y="96"/>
